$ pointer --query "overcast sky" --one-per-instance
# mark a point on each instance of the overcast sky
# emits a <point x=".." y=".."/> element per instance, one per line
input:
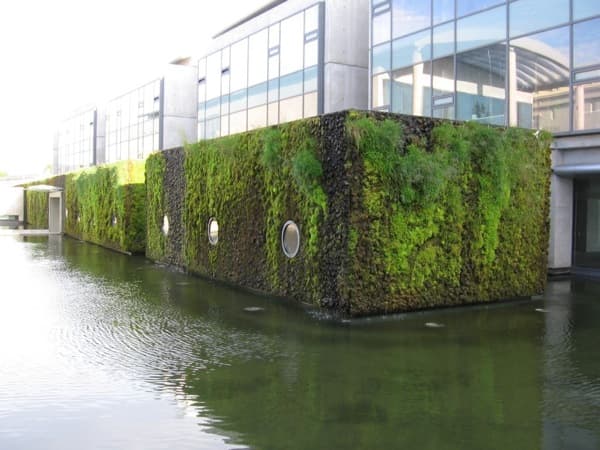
<point x="59" y="55"/>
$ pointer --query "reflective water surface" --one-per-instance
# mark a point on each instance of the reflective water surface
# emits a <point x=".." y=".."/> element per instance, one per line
<point x="101" y="350"/>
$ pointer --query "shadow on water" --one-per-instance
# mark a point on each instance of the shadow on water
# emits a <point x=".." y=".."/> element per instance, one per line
<point x="267" y="374"/>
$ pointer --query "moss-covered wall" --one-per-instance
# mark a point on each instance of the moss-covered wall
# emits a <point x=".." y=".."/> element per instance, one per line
<point x="105" y="205"/>
<point x="396" y="213"/>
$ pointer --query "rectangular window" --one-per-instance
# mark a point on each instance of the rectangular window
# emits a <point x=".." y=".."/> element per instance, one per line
<point x="586" y="106"/>
<point x="257" y="95"/>
<point x="526" y="15"/>
<point x="382" y="27"/>
<point x="443" y="40"/>
<point x="480" y="85"/>
<point x="412" y="49"/>
<point x="290" y="85"/>
<point x="239" y="65"/>
<point x="292" y="44"/>
<point x="585" y="8"/>
<point x="410" y="16"/>
<point x="443" y="10"/>
<point x="481" y="29"/>
<point x="465" y="7"/>
<point x="586" y="43"/>
<point x="411" y="90"/>
<point x="381" y="91"/>
<point x="538" y="69"/>
<point x="310" y="79"/>
<point x="381" y="58"/>
<point x="258" y="49"/>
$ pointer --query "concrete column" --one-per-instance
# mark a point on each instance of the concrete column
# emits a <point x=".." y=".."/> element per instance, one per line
<point x="561" y="223"/>
<point x="512" y="88"/>
<point x="579" y="108"/>
<point x="417" y="98"/>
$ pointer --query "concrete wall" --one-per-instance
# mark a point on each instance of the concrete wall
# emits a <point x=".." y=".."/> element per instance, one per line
<point x="11" y="201"/>
<point x="180" y="106"/>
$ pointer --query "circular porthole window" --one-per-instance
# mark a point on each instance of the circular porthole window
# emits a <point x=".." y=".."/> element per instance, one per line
<point x="213" y="231"/>
<point x="165" y="226"/>
<point x="66" y="213"/>
<point x="290" y="239"/>
<point x="114" y="221"/>
<point x="78" y="218"/>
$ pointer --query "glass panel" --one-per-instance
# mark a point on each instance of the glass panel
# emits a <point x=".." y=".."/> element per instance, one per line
<point x="290" y="85"/>
<point x="310" y="79"/>
<point x="224" y="125"/>
<point x="213" y="76"/>
<point x="213" y="108"/>
<point x="311" y="19"/>
<point x="258" y="50"/>
<point x="587" y="222"/>
<point x="273" y="114"/>
<point x="381" y="91"/>
<point x="411" y="50"/>
<point x="257" y="95"/>
<point x="480" y="85"/>
<point x="411" y="90"/>
<point x="290" y="109"/>
<point x="274" y="67"/>
<point x="539" y="80"/>
<point x="311" y="53"/>
<point x="225" y="104"/>
<point x="225" y="61"/>
<point x="382" y="28"/>
<point x="585" y="8"/>
<point x="237" y="122"/>
<point x="481" y="29"/>
<point x="586" y="106"/>
<point x="443" y="88"/>
<point x="470" y="6"/>
<point x="292" y="44"/>
<point x="381" y="58"/>
<point x="530" y="15"/>
<point x="257" y="117"/>
<point x="239" y="65"/>
<point x="212" y="128"/>
<point x="201" y="131"/>
<point x="311" y="105"/>
<point x="274" y="35"/>
<point x="237" y="101"/>
<point x="201" y="69"/>
<point x="443" y="40"/>
<point x="273" y="90"/>
<point x="587" y="75"/>
<point x="409" y="16"/>
<point x="586" y="43"/>
<point x="443" y="10"/>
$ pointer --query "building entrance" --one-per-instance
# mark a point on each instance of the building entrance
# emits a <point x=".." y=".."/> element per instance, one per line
<point x="586" y="251"/>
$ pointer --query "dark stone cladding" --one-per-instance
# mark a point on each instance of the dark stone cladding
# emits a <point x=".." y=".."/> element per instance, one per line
<point x="174" y="186"/>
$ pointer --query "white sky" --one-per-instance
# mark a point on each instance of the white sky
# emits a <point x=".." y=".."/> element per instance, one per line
<point x="59" y="55"/>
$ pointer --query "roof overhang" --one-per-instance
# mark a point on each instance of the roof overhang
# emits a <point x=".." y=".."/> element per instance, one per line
<point x="43" y="188"/>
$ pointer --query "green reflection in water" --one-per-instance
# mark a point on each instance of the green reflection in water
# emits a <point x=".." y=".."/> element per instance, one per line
<point x="270" y="374"/>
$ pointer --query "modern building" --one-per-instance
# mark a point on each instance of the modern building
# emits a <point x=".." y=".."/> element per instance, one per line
<point x="526" y="63"/>
<point x="289" y="60"/>
<point x="79" y="141"/>
<point x="159" y="114"/>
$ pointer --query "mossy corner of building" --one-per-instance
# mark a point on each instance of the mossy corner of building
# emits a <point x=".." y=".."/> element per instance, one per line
<point x="395" y="213"/>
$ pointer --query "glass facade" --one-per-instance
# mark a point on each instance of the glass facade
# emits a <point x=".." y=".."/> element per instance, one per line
<point x="528" y="63"/>
<point x="269" y="77"/>
<point x="75" y="142"/>
<point x="133" y="123"/>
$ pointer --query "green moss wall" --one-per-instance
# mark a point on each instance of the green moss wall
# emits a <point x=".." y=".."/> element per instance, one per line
<point x="105" y="205"/>
<point x="36" y="210"/>
<point x="396" y="213"/>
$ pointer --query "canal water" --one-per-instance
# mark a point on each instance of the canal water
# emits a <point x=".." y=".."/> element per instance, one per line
<point x="104" y="351"/>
